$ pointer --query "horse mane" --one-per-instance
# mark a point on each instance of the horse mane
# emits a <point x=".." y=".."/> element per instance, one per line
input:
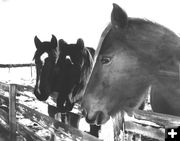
<point x="87" y="62"/>
<point x="88" y="55"/>
<point x="158" y="43"/>
<point x="92" y="51"/>
<point x="150" y="40"/>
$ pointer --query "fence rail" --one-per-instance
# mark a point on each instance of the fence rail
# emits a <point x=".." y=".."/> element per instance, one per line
<point x="146" y="123"/>
<point x="56" y="128"/>
<point x="12" y="66"/>
<point x="16" y="65"/>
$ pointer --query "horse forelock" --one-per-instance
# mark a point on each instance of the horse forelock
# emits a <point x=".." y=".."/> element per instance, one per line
<point x="52" y="52"/>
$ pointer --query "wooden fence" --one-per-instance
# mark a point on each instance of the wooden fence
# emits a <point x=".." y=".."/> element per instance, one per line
<point x="145" y="123"/>
<point x="16" y="65"/>
<point x="149" y="124"/>
<point x="17" y="130"/>
<point x="10" y="66"/>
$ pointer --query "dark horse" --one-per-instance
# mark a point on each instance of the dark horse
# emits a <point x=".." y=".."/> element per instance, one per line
<point x="63" y="74"/>
<point x="133" y="55"/>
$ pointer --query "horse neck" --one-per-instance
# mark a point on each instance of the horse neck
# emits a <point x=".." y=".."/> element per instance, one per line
<point x="169" y="77"/>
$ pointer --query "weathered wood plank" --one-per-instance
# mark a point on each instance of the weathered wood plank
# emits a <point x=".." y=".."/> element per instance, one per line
<point x="157" y="122"/>
<point x="163" y="120"/>
<point x="16" y="65"/>
<point x="23" y="132"/>
<point x="4" y="133"/>
<point x="145" y="130"/>
<point x="146" y="123"/>
<point x="45" y="119"/>
<point x="51" y="124"/>
<point x="57" y="127"/>
<point x="12" y="112"/>
<point x="4" y="119"/>
<point x="28" y="134"/>
<point x="21" y="88"/>
<point x="4" y="86"/>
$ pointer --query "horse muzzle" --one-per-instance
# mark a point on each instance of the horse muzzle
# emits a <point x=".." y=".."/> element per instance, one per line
<point x="97" y="118"/>
<point x="41" y="95"/>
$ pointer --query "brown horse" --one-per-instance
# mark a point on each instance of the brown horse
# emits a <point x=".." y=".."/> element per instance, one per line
<point x="133" y="54"/>
<point x="63" y="74"/>
<point x="75" y="76"/>
<point x="45" y="67"/>
<point x="49" y="82"/>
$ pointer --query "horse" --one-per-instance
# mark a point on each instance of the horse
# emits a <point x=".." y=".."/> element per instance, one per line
<point x="46" y="76"/>
<point x="133" y="54"/>
<point x="64" y="75"/>
<point x="82" y="59"/>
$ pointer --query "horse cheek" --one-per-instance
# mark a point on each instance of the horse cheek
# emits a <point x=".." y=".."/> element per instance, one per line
<point x="93" y="83"/>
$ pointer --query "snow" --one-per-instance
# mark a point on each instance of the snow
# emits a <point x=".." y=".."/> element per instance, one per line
<point x="23" y="76"/>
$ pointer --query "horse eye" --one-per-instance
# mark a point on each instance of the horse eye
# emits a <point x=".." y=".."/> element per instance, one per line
<point x="105" y="60"/>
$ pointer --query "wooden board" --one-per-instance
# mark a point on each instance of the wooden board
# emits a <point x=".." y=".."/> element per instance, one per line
<point x="5" y="87"/>
<point x="16" y="65"/>
<point x="56" y="128"/>
<point x="23" y="132"/>
<point x="146" y="123"/>
<point x="163" y="120"/>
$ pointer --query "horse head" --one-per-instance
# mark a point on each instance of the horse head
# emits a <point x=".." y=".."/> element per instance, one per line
<point x="132" y="53"/>
<point x="75" y="68"/>
<point x="45" y="66"/>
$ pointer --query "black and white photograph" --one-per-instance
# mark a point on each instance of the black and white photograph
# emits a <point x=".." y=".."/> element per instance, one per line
<point x="89" y="70"/>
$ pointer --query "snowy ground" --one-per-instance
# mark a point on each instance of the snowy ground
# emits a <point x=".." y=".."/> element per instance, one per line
<point x="24" y="76"/>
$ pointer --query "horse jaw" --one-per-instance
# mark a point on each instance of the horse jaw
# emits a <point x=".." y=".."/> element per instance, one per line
<point x="41" y="94"/>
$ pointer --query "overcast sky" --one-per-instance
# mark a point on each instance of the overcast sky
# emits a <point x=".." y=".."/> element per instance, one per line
<point x="21" y="20"/>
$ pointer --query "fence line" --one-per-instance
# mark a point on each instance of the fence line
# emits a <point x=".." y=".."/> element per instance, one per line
<point x="55" y="127"/>
<point x="9" y="66"/>
<point x="145" y="123"/>
<point x="16" y="65"/>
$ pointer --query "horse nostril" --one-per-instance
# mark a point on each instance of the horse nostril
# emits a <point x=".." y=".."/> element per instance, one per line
<point x="90" y="121"/>
<point x="84" y="112"/>
<point x="99" y="117"/>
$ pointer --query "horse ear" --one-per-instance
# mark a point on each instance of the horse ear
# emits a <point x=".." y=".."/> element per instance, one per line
<point x="37" y="42"/>
<point x="54" y="41"/>
<point x="62" y="44"/>
<point x="119" y="17"/>
<point x="80" y="43"/>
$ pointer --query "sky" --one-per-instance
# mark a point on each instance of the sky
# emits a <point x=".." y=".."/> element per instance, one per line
<point x="21" y="20"/>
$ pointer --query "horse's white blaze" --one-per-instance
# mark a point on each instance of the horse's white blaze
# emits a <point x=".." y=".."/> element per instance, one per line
<point x="43" y="57"/>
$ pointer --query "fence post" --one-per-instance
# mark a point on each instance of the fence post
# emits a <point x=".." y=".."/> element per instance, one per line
<point x="9" y="69"/>
<point x="31" y="71"/>
<point x="12" y="112"/>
